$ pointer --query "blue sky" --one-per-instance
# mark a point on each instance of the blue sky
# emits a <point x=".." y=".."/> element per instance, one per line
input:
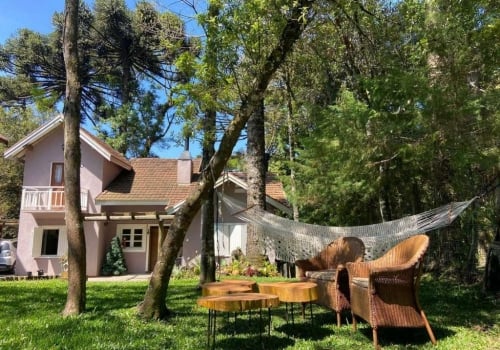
<point x="37" y="15"/>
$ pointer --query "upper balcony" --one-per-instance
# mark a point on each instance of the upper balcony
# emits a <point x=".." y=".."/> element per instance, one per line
<point x="48" y="199"/>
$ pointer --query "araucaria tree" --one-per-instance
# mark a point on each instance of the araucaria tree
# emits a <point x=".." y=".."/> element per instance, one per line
<point x="125" y="65"/>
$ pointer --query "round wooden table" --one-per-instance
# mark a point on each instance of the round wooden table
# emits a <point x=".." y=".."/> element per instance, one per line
<point x="236" y="302"/>
<point x="292" y="292"/>
<point x="227" y="287"/>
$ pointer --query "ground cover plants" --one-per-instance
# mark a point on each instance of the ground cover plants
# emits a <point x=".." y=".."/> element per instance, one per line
<point x="462" y="318"/>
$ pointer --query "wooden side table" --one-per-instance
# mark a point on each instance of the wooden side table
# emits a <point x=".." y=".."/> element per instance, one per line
<point x="223" y="288"/>
<point x="237" y="302"/>
<point x="292" y="292"/>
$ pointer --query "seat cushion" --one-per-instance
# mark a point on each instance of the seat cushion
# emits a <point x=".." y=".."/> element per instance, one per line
<point x="360" y="282"/>
<point x="324" y="275"/>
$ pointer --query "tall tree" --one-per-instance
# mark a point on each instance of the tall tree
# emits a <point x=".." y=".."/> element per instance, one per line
<point x="256" y="180"/>
<point x="77" y="265"/>
<point x="208" y="263"/>
<point x="126" y="68"/>
<point x="154" y="303"/>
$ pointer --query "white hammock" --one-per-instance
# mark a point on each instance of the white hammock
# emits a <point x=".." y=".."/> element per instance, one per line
<point x="290" y="240"/>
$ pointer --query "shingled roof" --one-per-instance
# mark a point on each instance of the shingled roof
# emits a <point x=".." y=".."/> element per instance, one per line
<point x="150" y="181"/>
<point x="153" y="181"/>
<point x="274" y="187"/>
<point x="18" y="150"/>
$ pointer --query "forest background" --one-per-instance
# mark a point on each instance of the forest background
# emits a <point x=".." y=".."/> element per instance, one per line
<point x="384" y="109"/>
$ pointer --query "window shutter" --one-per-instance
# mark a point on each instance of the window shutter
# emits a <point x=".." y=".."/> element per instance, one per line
<point x="37" y="242"/>
<point x="62" y="244"/>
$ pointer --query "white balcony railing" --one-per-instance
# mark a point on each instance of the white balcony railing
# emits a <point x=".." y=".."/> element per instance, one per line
<point x="48" y="198"/>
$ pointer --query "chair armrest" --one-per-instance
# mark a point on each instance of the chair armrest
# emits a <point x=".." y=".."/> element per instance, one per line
<point x="358" y="269"/>
<point x="399" y="274"/>
<point x="306" y="265"/>
<point x="392" y="282"/>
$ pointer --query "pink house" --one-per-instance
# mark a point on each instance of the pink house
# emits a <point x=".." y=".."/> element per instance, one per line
<point x="133" y="199"/>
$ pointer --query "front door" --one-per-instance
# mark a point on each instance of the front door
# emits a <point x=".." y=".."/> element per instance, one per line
<point x="153" y="247"/>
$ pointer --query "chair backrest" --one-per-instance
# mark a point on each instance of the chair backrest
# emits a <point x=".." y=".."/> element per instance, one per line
<point x="411" y="249"/>
<point x="341" y="251"/>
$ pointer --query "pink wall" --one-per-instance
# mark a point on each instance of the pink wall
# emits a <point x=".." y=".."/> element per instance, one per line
<point x="37" y="172"/>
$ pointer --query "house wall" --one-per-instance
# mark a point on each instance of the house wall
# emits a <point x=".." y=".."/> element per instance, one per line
<point x="38" y="161"/>
<point x="25" y="261"/>
<point x="137" y="261"/>
<point x="37" y="172"/>
<point x="191" y="250"/>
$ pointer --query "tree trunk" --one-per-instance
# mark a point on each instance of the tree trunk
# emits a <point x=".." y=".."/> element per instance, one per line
<point x="153" y="305"/>
<point x="207" y="263"/>
<point x="291" y="146"/>
<point x="256" y="181"/>
<point x="75" y="302"/>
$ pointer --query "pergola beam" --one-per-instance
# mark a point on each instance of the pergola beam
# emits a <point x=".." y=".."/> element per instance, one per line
<point x="135" y="216"/>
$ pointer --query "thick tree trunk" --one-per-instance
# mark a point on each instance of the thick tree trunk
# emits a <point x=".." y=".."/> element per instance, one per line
<point x="256" y="181"/>
<point x="75" y="302"/>
<point x="153" y="305"/>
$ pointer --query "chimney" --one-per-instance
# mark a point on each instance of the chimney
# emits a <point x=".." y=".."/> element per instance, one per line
<point x="184" y="165"/>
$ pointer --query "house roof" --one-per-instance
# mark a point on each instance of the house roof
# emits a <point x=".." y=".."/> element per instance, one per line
<point x="275" y="194"/>
<point x="18" y="150"/>
<point x="151" y="181"/>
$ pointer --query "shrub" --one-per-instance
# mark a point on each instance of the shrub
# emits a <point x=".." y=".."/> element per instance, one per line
<point x="114" y="262"/>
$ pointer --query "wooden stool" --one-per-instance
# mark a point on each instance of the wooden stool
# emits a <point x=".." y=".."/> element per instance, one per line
<point x="292" y="292"/>
<point x="237" y="302"/>
<point x="223" y="288"/>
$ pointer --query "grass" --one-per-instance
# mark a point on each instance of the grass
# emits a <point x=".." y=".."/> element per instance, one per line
<point x="461" y="317"/>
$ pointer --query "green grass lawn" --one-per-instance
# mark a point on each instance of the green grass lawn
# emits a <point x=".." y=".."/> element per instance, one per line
<point x="462" y="318"/>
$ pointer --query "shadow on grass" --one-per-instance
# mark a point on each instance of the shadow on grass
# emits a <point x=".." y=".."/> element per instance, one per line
<point x="403" y="337"/>
<point x="253" y="342"/>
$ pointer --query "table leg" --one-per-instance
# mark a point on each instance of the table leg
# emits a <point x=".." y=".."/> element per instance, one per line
<point x="311" y="309"/>
<point x="260" y="325"/>
<point x="269" y="321"/>
<point x="212" y="317"/>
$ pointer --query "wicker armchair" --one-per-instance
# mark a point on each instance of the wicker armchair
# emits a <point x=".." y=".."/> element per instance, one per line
<point x="327" y="270"/>
<point x="384" y="291"/>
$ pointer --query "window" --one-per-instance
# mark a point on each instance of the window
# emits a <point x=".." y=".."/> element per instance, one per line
<point x="49" y="241"/>
<point x="132" y="237"/>
<point x="57" y="178"/>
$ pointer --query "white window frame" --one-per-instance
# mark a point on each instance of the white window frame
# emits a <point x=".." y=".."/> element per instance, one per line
<point x="62" y="241"/>
<point x="132" y="228"/>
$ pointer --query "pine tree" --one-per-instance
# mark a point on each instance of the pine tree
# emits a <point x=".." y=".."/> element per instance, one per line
<point x="114" y="263"/>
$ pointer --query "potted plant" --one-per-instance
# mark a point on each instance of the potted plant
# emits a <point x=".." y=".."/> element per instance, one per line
<point x="64" y="265"/>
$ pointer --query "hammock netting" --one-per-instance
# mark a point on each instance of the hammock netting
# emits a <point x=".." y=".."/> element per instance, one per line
<point x="290" y="240"/>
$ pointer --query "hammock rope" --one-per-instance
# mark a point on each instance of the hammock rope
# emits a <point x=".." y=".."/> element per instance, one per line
<point x="289" y="240"/>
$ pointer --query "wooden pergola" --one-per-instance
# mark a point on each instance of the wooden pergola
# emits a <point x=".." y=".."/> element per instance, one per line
<point x="163" y="218"/>
<point x="132" y="215"/>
